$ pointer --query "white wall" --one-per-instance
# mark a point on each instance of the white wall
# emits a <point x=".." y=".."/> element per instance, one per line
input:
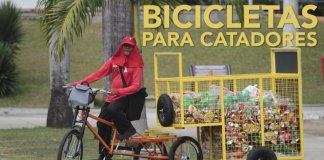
<point x="23" y="4"/>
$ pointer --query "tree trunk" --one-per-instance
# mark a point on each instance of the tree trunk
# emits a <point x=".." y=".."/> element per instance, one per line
<point x="59" y="112"/>
<point x="118" y="23"/>
<point x="290" y="27"/>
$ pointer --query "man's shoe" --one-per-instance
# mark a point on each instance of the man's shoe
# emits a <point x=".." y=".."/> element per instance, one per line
<point x="127" y="134"/>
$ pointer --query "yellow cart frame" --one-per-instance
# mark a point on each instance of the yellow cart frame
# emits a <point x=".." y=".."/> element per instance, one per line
<point x="265" y="81"/>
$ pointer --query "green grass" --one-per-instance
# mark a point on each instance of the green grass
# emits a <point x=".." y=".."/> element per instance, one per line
<point x="33" y="66"/>
<point x="36" y="143"/>
<point x="41" y="144"/>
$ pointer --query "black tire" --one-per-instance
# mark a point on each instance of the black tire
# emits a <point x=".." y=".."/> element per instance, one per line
<point x="193" y="153"/>
<point x="68" y="145"/>
<point x="261" y="153"/>
<point x="161" y="150"/>
<point x="165" y="111"/>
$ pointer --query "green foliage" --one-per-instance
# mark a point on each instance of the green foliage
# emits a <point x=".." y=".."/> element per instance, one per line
<point x="11" y="34"/>
<point x="10" y="25"/>
<point x="42" y="144"/>
<point x="63" y="20"/>
<point x="239" y="9"/>
<point x="33" y="64"/>
<point x="8" y="74"/>
<point x="66" y="19"/>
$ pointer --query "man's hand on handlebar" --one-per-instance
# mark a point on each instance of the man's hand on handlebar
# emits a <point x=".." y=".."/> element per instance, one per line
<point x="112" y="92"/>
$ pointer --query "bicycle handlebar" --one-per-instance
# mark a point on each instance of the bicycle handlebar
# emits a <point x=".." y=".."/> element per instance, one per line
<point x="67" y="86"/>
<point x="95" y="90"/>
<point x="100" y="90"/>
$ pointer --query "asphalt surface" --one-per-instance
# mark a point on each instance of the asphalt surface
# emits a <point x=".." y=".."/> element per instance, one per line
<point x="11" y="118"/>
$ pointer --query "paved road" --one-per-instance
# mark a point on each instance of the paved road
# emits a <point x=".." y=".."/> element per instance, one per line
<point x="29" y="118"/>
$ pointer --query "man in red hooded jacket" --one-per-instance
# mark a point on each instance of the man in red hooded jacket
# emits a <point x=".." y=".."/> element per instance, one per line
<point x="129" y="59"/>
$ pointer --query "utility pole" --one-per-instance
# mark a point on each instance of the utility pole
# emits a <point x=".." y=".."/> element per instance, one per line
<point x="290" y="27"/>
<point x="250" y="2"/>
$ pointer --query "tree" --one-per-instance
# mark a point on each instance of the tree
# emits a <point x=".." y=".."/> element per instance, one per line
<point x="8" y="73"/>
<point x="59" y="112"/>
<point x="10" y="25"/>
<point x="64" y="20"/>
<point x="10" y="36"/>
<point x="67" y="19"/>
<point x="115" y="27"/>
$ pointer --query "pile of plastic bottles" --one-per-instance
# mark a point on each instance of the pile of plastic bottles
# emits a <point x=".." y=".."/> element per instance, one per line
<point x="243" y="118"/>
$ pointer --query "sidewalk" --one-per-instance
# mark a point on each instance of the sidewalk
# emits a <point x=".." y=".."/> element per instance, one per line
<point x="36" y="117"/>
<point x="11" y="118"/>
<point x="313" y="111"/>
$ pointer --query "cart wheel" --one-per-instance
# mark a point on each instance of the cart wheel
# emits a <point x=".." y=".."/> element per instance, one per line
<point x="261" y="153"/>
<point x="165" y="110"/>
<point x="185" y="148"/>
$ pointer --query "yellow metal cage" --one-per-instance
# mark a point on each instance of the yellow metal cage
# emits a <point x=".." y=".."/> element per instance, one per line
<point x="251" y="110"/>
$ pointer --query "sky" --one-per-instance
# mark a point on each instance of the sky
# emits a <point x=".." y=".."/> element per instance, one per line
<point x="24" y="4"/>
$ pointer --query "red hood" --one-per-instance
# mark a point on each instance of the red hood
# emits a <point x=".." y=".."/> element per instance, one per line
<point x="134" y="59"/>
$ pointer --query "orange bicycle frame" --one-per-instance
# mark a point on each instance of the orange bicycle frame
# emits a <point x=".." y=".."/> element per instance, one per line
<point x="141" y="140"/>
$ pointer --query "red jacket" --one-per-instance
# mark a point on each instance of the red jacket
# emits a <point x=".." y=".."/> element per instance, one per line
<point x="132" y="71"/>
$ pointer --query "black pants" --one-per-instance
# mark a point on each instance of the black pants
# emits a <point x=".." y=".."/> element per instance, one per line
<point x="113" y="112"/>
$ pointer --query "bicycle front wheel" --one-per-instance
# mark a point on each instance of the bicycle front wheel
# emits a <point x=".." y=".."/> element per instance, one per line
<point x="185" y="148"/>
<point x="71" y="146"/>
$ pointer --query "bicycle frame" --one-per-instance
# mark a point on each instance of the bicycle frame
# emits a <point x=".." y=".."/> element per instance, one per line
<point x="85" y="114"/>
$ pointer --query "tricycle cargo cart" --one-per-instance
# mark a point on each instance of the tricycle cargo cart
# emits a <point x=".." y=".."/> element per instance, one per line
<point x="251" y="110"/>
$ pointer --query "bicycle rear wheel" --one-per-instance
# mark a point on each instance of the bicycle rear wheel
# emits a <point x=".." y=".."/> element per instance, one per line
<point x="185" y="148"/>
<point x="71" y="146"/>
